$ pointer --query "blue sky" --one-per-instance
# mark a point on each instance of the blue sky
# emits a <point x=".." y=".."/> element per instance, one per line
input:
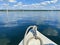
<point x="30" y="4"/>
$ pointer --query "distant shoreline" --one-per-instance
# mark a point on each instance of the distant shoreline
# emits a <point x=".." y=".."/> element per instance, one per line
<point x="30" y="10"/>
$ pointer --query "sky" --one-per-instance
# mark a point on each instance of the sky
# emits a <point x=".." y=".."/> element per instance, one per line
<point x="30" y="4"/>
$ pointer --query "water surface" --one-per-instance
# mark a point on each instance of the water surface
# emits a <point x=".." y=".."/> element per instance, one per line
<point x="14" y="25"/>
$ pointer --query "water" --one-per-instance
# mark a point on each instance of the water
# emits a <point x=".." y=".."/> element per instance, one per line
<point x="13" y="26"/>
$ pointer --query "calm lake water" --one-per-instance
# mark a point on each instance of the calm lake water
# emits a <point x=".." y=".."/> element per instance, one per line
<point x="14" y="25"/>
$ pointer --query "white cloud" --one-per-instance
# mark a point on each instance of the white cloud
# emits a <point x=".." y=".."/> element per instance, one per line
<point x="41" y="5"/>
<point x="12" y="1"/>
<point x="54" y="1"/>
<point x="4" y="4"/>
<point x="15" y="5"/>
<point x="46" y="2"/>
<point x="20" y="3"/>
<point x="9" y="0"/>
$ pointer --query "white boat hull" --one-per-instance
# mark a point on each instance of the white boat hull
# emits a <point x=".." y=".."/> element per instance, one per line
<point x="44" y="39"/>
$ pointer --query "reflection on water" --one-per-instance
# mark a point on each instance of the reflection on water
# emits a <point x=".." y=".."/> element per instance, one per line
<point x="50" y="32"/>
<point x="4" y="41"/>
<point x="13" y="29"/>
<point x="11" y="24"/>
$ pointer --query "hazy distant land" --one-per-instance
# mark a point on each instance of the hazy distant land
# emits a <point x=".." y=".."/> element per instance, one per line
<point x="30" y="10"/>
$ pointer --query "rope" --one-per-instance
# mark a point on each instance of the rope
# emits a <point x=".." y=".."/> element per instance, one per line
<point x="34" y="28"/>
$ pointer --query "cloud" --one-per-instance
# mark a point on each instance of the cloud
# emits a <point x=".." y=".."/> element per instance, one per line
<point x="18" y="4"/>
<point x="5" y="4"/>
<point x="8" y="1"/>
<point x="41" y="5"/>
<point x="12" y="0"/>
<point x="45" y="3"/>
<point x="54" y="1"/>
